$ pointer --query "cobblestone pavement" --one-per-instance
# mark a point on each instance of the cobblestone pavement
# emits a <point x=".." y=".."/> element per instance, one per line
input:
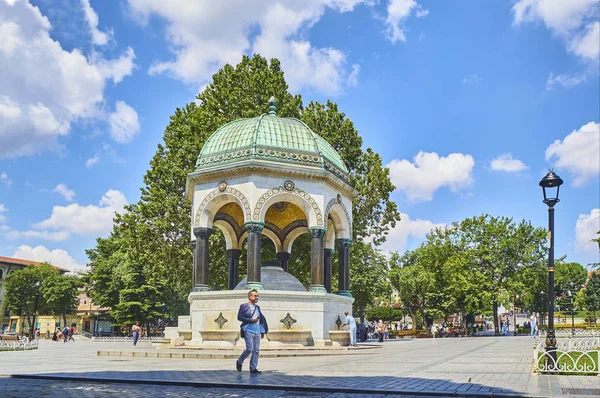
<point x="24" y="388"/>
<point x="453" y="366"/>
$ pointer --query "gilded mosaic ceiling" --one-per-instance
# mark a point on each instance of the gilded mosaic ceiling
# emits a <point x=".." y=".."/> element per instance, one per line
<point x="235" y="211"/>
<point x="283" y="213"/>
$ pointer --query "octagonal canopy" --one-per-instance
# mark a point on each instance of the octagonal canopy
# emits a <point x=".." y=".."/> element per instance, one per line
<point x="272" y="139"/>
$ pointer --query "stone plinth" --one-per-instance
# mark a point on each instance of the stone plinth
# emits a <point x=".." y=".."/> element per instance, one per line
<point x="289" y="338"/>
<point x="340" y="337"/>
<point x="315" y="313"/>
<point x="219" y="337"/>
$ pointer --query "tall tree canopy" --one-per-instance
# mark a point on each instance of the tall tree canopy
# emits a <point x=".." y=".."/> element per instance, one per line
<point x="468" y="267"/>
<point x="164" y="253"/>
<point x="57" y="294"/>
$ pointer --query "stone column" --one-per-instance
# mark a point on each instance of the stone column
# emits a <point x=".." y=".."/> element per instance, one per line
<point x="201" y="272"/>
<point x="317" y="274"/>
<point x="283" y="258"/>
<point x="254" y="229"/>
<point x="344" y="266"/>
<point x="194" y="263"/>
<point x="234" y="268"/>
<point x="327" y="265"/>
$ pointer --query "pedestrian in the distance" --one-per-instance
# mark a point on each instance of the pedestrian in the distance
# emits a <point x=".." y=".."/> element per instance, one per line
<point x="254" y="327"/>
<point x="352" y="326"/>
<point x="380" y="328"/>
<point x="136" y="330"/>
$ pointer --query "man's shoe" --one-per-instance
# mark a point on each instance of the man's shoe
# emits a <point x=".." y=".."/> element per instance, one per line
<point x="238" y="366"/>
<point x="256" y="371"/>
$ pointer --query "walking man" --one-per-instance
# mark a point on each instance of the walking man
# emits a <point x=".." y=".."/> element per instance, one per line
<point x="254" y="327"/>
<point x="352" y="324"/>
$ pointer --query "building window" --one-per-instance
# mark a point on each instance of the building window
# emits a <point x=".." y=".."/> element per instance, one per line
<point x="1" y="273"/>
<point x="84" y="302"/>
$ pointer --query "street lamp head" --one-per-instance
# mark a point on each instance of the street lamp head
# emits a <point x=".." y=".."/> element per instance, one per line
<point x="548" y="184"/>
<point x="38" y="284"/>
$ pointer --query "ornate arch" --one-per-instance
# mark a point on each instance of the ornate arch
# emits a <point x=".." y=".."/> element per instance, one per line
<point x="345" y="225"/>
<point x="218" y="193"/>
<point x="279" y="194"/>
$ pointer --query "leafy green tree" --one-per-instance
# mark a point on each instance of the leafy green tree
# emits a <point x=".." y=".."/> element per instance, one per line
<point x="568" y="276"/>
<point x="57" y="294"/>
<point x="235" y="92"/>
<point x="368" y="273"/>
<point x="60" y="294"/>
<point x="592" y="293"/>
<point x="499" y="248"/>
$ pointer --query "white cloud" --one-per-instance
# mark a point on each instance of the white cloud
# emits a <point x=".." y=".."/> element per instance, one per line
<point x="86" y="220"/>
<point x="505" y="162"/>
<point x="566" y="80"/>
<point x="471" y="79"/>
<point x="204" y="37"/>
<point x="578" y="153"/>
<point x="4" y="179"/>
<point x="2" y="216"/>
<point x="45" y="235"/>
<point x="574" y="21"/>
<point x="429" y="172"/>
<point x="397" y="237"/>
<point x="124" y="123"/>
<point x="586" y="229"/>
<point x="98" y="37"/>
<point x="45" y="89"/>
<point x="92" y="161"/>
<point x="64" y="191"/>
<point x="56" y="257"/>
<point x="398" y="11"/>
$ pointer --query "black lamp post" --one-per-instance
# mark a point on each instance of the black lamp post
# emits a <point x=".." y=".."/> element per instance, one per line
<point x="550" y="187"/>
<point x="35" y="305"/>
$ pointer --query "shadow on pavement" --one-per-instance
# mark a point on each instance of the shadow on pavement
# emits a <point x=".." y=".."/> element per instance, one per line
<point x="274" y="380"/>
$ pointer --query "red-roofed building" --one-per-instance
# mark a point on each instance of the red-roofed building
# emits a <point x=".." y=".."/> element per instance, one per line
<point x="7" y="266"/>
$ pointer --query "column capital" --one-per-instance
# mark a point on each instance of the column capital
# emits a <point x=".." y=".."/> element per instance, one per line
<point x="202" y="233"/>
<point x="234" y="252"/>
<point x="254" y="226"/>
<point x="344" y="242"/>
<point x="317" y="232"/>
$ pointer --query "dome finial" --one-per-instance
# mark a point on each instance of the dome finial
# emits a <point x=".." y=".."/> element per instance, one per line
<point x="272" y="106"/>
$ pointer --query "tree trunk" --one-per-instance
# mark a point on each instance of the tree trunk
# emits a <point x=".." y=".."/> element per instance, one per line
<point x="361" y="311"/>
<point x="148" y="329"/>
<point x="64" y="314"/>
<point x="496" y="329"/>
<point x="414" y="320"/>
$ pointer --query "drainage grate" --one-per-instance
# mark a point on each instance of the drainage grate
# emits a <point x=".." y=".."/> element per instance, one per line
<point x="581" y="391"/>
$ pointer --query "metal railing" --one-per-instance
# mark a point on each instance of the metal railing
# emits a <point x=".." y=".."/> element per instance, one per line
<point x="573" y="355"/>
<point x="18" y="345"/>
<point x="575" y="333"/>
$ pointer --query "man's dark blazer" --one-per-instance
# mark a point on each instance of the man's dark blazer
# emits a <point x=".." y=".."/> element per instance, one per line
<point x="245" y="316"/>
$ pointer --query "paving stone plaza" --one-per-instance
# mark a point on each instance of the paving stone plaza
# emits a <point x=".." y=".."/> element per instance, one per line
<point x="483" y="366"/>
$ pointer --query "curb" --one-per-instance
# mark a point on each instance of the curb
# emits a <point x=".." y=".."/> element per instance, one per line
<point x="193" y="355"/>
<point x="270" y="387"/>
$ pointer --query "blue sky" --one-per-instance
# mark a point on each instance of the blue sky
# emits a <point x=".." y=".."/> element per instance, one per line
<point x="468" y="102"/>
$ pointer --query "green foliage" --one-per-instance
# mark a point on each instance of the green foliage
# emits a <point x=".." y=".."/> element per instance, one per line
<point x="386" y="314"/>
<point x="368" y="275"/>
<point x="592" y="293"/>
<point x="568" y="276"/>
<point x="470" y="267"/>
<point x="160" y="249"/>
<point x="57" y="294"/>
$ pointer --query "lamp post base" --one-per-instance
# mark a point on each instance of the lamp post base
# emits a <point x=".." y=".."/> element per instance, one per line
<point x="551" y="347"/>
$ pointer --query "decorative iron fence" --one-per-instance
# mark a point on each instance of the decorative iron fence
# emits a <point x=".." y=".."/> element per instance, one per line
<point x="576" y="333"/>
<point x="577" y="355"/>
<point x="114" y="339"/>
<point x="18" y="345"/>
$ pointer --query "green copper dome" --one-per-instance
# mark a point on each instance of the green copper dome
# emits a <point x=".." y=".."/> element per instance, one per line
<point x="270" y="138"/>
